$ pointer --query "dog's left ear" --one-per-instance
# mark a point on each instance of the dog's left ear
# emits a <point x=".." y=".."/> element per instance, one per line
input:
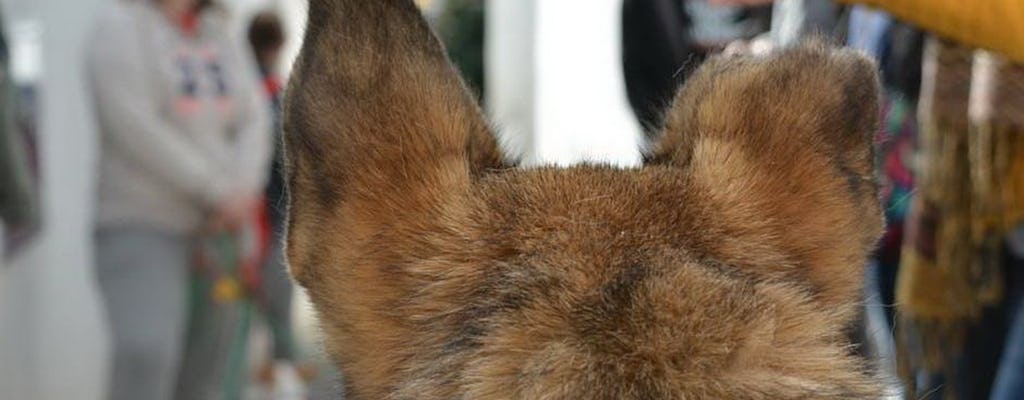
<point x="379" y="128"/>
<point x="782" y="145"/>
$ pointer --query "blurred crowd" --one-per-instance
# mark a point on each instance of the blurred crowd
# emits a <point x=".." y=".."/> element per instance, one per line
<point x="191" y="200"/>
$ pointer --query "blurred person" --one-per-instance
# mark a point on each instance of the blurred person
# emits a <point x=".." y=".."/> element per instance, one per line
<point x="185" y="151"/>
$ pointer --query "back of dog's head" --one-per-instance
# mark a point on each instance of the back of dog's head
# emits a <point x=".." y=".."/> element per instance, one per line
<point x="726" y="267"/>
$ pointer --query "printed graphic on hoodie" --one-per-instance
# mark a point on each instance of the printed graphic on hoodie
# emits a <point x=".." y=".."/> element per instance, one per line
<point x="202" y="78"/>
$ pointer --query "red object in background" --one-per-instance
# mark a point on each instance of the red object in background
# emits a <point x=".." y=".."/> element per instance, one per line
<point x="189" y="23"/>
<point x="255" y="256"/>
<point x="272" y="85"/>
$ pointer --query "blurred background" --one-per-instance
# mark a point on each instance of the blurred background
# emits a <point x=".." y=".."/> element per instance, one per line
<point x="141" y="201"/>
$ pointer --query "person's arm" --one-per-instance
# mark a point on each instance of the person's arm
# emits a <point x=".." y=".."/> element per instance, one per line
<point x="996" y="25"/>
<point x="129" y="114"/>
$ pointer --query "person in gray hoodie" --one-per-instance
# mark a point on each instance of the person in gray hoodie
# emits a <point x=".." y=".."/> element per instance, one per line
<point x="184" y="126"/>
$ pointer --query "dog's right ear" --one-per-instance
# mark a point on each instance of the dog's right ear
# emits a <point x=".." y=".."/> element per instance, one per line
<point x="379" y="129"/>
<point x="782" y="145"/>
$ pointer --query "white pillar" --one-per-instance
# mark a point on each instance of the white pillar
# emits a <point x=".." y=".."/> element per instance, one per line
<point x="555" y="81"/>
<point x="510" y="71"/>
<point x="582" y="111"/>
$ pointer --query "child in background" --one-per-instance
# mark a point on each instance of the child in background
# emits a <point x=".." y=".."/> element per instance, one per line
<point x="184" y="151"/>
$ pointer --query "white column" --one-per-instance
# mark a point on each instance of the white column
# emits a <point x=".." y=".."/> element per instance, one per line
<point x="555" y="81"/>
<point x="510" y="69"/>
<point x="582" y="111"/>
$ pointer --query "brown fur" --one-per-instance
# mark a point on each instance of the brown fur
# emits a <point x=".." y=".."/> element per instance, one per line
<point x="726" y="268"/>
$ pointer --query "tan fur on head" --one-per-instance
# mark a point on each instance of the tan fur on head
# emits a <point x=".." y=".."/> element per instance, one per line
<point x="726" y="268"/>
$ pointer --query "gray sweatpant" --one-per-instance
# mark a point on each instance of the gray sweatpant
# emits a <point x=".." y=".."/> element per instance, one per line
<point x="144" y="276"/>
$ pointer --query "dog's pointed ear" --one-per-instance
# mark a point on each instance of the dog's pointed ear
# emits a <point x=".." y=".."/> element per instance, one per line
<point x="379" y="127"/>
<point x="784" y="144"/>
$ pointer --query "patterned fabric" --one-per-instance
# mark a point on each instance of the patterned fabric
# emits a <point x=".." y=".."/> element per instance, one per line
<point x="970" y="175"/>
<point x="938" y="292"/>
<point x="997" y="146"/>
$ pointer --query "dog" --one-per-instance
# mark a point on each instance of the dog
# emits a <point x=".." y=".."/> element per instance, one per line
<point x="727" y="267"/>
